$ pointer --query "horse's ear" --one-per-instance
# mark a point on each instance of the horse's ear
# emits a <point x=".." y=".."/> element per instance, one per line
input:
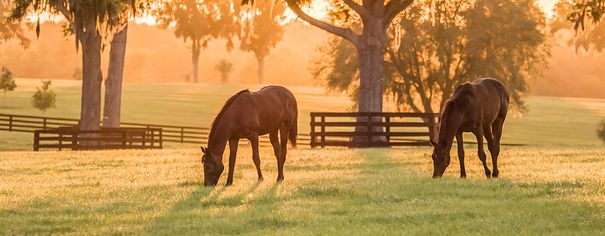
<point x="433" y="142"/>
<point x="204" y="150"/>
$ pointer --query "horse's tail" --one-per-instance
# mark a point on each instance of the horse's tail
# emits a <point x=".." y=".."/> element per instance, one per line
<point x="294" y="130"/>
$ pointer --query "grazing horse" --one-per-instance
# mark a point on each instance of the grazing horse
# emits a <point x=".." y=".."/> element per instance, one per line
<point x="479" y="107"/>
<point x="248" y="115"/>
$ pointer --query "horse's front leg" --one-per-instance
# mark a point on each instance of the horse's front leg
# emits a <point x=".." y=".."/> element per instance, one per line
<point x="460" y="144"/>
<point x="481" y="152"/>
<point x="255" y="156"/>
<point x="233" y="144"/>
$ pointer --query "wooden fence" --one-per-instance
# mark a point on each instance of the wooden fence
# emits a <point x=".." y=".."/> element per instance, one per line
<point x="170" y="133"/>
<point x="380" y="129"/>
<point x="105" y="138"/>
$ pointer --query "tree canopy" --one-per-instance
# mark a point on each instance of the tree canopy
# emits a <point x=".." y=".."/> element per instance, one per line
<point x="434" y="49"/>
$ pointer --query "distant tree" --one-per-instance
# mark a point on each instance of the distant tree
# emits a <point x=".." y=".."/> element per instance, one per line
<point x="7" y="82"/>
<point x="225" y="68"/>
<point x="434" y="49"/>
<point x="44" y="98"/>
<point x="601" y="130"/>
<point x="198" y="22"/>
<point x="262" y="30"/>
<point x="77" y="75"/>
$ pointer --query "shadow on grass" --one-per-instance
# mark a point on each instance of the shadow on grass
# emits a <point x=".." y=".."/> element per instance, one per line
<point x="207" y="211"/>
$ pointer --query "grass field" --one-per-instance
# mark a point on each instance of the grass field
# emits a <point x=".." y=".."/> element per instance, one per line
<point x="555" y="185"/>
<point x="550" y="120"/>
<point x="553" y="191"/>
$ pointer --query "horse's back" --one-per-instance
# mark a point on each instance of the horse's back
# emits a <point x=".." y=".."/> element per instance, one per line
<point x="275" y="104"/>
<point x="493" y="97"/>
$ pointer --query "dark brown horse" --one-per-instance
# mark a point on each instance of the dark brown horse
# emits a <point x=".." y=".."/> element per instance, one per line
<point x="479" y="107"/>
<point x="248" y="115"/>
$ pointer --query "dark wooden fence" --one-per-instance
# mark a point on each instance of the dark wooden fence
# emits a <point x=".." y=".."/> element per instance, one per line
<point x="106" y="138"/>
<point x="380" y="129"/>
<point x="170" y="133"/>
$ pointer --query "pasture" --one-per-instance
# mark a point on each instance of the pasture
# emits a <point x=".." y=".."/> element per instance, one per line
<point x="549" y="121"/>
<point x="555" y="184"/>
<point x="558" y="191"/>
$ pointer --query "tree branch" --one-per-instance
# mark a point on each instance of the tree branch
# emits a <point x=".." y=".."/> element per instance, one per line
<point x="393" y="8"/>
<point x="63" y="10"/>
<point x="345" y="33"/>
<point x="357" y="8"/>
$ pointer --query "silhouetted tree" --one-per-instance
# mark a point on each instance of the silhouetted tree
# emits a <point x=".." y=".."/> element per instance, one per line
<point x="198" y="22"/>
<point x="90" y="21"/>
<point x="7" y="82"/>
<point x="262" y="30"/>
<point x="434" y="49"/>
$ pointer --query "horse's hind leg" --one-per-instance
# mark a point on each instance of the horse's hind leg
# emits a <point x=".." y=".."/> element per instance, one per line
<point x="273" y="137"/>
<point x="491" y="146"/>
<point x="481" y="152"/>
<point x="497" y="130"/>
<point x="284" y="133"/>
<point x="255" y="155"/>
<point x="460" y="143"/>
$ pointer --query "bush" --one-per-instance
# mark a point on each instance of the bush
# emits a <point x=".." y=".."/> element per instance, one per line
<point x="44" y="98"/>
<point x="601" y="130"/>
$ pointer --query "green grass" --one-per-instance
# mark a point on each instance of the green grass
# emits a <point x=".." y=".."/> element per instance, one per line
<point x="558" y="191"/>
<point x="550" y="120"/>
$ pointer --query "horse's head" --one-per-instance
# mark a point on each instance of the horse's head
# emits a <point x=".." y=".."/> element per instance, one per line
<point x="212" y="168"/>
<point x="441" y="158"/>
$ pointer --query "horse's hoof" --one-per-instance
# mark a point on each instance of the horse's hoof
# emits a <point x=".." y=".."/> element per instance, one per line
<point x="488" y="174"/>
<point x="228" y="184"/>
<point x="495" y="174"/>
<point x="463" y="176"/>
<point x="261" y="179"/>
<point x="279" y="180"/>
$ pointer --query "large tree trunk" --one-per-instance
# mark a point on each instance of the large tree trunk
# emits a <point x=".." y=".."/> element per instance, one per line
<point x="371" y="51"/>
<point x="113" y="83"/>
<point x="195" y="51"/>
<point x="92" y="77"/>
<point x="261" y="69"/>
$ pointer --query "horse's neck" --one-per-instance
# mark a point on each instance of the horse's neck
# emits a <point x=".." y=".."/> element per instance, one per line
<point x="218" y="140"/>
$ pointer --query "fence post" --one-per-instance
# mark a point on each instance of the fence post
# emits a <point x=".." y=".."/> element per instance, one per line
<point x="124" y="135"/>
<point x="36" y="140"/>
<point x="152" y="137"/>
<point x="60" y="142"/>
<point x="182" y="134"/>
<point x="388" y="129"/>
<point x="10" y="123"/>
<point x="323" y="131"/>
<point x="44" y="123"/>
<point x="312" y="134"/>
<point x="370" y="134"/>
<point x="161" y="140"/>
<point x="74" y="138"/>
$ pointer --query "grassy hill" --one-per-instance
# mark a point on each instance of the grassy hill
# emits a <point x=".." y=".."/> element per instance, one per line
<point x="550" y="120"/>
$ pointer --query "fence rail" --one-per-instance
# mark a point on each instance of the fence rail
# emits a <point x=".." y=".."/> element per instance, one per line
<point x="170" y="133"/>
<point x="370" y="129"/>
<point x="105" y="138"/>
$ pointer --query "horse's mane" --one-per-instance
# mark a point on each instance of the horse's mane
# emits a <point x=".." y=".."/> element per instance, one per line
<point x="220" y="114"/>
